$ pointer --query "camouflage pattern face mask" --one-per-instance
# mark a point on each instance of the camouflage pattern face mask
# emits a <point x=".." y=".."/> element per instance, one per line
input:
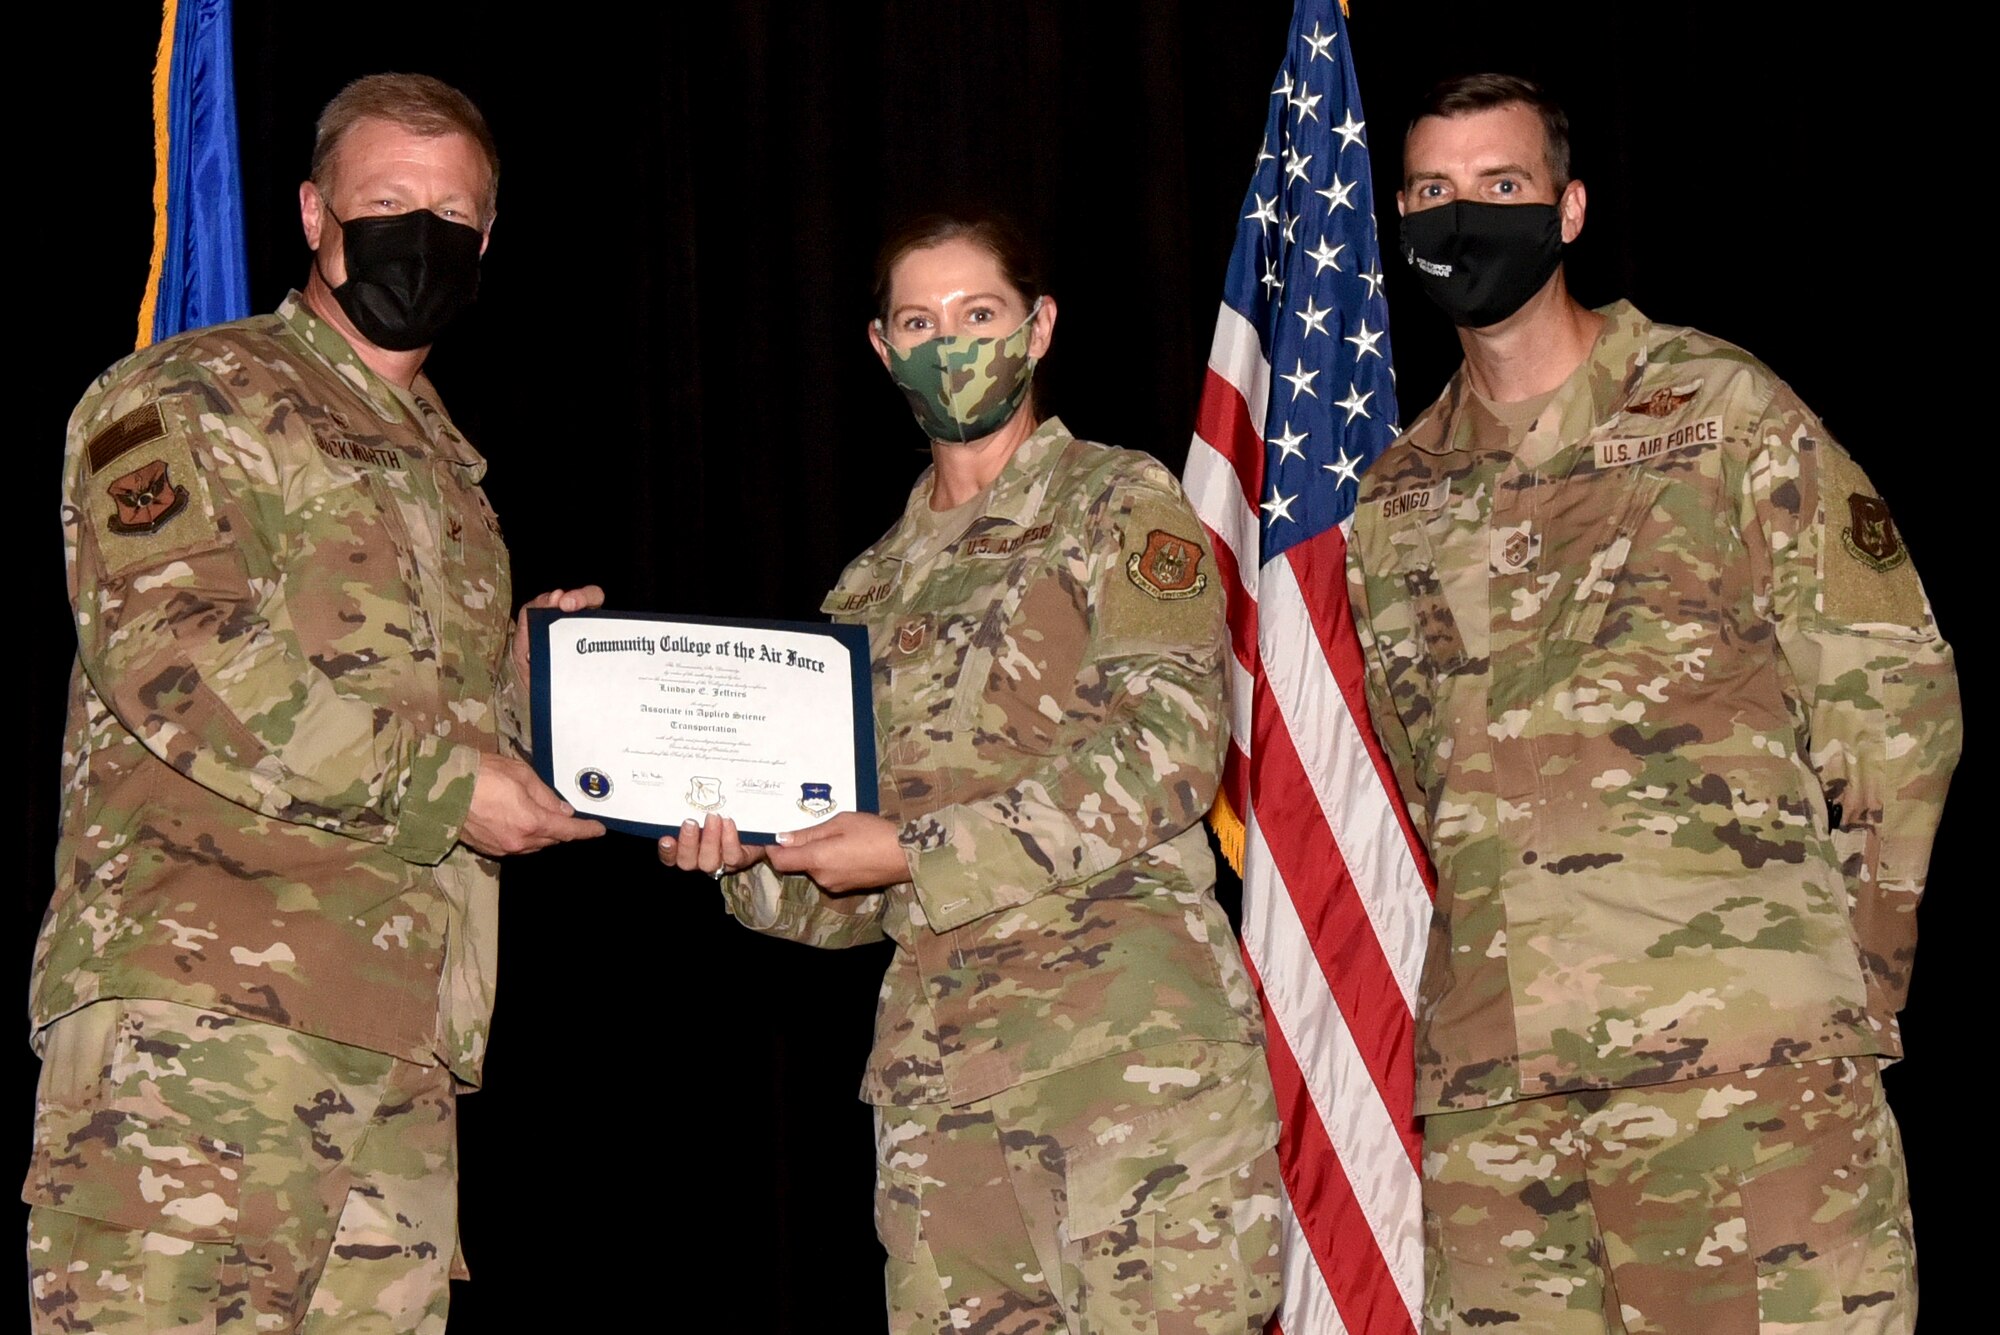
<point x="962" y="388"/>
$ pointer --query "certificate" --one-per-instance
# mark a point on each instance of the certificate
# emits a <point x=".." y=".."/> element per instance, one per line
<point x="645" y="721"/>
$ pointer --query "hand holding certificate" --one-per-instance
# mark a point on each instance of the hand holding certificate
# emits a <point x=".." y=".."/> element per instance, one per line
<point x="645" y="721"/>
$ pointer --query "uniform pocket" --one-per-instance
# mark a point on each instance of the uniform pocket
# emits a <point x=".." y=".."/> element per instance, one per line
<point x="899" y="1208"/>
<point x="1828" y="1225"/>
<point x="136" y="1173"/>
<point x="1435" y="627"/>
<point x="1588" y="595"/>
<point x="1171" y="1152"/>
<point x="118" y="1167"/>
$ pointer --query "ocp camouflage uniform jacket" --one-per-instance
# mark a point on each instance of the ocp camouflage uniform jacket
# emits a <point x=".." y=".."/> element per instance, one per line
<point x="1050" y="723"/>
<point x="291" y="602"/>
<point x="1666" y="701"/>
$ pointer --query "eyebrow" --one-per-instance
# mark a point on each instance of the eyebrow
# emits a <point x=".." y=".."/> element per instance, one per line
<point x="967" y="299"/>
<point x="1484" y="173"/>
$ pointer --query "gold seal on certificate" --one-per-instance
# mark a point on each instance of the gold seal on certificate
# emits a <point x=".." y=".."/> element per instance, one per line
<point x="645" y="721"/>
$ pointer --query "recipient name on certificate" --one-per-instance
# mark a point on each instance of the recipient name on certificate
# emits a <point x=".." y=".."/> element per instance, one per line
<point x="644" y="721"/>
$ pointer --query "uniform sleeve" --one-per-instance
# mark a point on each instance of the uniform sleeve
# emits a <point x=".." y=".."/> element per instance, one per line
<point x="176" y="513"/>
<point x="1871" y="672"/>
<point x="514" y="721"/>
<point x="1376" y="613"/>
<point x="1149" y="771"/>
<point x="794" y="908"/>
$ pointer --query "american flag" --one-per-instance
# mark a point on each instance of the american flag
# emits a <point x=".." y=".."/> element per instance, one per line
<point x="1299" y="399"/>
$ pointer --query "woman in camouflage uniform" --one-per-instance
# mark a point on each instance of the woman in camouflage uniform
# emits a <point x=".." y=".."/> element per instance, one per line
<point x="1074" y="1125"/>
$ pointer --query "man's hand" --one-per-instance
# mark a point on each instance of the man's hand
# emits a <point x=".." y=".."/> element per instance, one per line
<point x="853" y="851"/>
<point x="513" y="811"/>
<point x="563" y="600"/>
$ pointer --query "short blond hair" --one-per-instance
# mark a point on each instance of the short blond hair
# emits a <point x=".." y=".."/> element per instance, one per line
<point x="416" y="102"/>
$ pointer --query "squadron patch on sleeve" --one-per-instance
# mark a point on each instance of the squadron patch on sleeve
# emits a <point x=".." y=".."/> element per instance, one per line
<point x="1159" y="589"/>
<point x="1870" y="537"/>
<point x="1866" y="578"/>
<point x="1167" y="569"/>
<point x="150" y="506"/>
<point x="145" y="499"/>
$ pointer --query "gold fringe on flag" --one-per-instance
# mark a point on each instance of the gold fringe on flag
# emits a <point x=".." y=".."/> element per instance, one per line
<point x="1228" y="827"/>
<point x="163" y="67"/>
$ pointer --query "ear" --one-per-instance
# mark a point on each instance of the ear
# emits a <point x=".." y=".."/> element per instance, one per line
<point x="1571" y="207"/>
<point x="1399" y="214"/>
<point x="312" y="211"/>
<point x="486" y="237"/>
<point x="881" y="346"/>
<point x="1044" y="330"/>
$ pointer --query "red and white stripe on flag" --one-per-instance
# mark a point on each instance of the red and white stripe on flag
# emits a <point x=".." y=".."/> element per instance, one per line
<point x="1299" y="399"/>
<point x="1336" y="905"/>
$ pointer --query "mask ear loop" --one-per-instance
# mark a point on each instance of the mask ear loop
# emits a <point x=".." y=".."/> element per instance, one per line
<point x="328" y="210"/>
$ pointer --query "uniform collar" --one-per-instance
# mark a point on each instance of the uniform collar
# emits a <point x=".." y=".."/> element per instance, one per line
<point x="1594" y="394"/>
<point x="417" y="406"/>
<point x="1015" y="497"/>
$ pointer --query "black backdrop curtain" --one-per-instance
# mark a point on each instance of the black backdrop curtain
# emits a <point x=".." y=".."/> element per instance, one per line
<point x="667" y="367"/>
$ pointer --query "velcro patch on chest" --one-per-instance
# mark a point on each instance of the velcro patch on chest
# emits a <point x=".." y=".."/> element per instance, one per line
<point x="1004" y="542"/>
<point x="1417" y="500"/>
<point x="1512" y="550"/>
<point x="1642" y="449"/>
<point x="1665" y="402"/>
<point x="348" y="450"/>
<point x="852" y="597"/>
<point x="913" y="633"/>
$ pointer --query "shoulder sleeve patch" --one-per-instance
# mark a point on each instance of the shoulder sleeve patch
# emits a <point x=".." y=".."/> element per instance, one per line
<point x="1866" y="578"/>
<point x="141" y="426"/>
<point x="1169" y="568"/>
<point x="1163" y="590"/>
<point x="151" y="505"/>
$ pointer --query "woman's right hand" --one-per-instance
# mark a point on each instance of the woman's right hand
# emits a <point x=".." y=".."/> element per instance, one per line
<point x="711" y="847"/>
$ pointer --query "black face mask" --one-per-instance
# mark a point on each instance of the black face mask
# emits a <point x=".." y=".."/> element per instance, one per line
<point x="1481" y="262"/>
<point x="408" y="276"/>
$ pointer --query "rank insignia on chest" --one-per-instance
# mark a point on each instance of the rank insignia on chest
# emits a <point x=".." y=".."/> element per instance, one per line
<point x="1167" y="568"/>
<point x="146" y="499"/>
<point x="1871" y="537"/>
<point x="913" y="635"/>
<point x="1514" y="549"/>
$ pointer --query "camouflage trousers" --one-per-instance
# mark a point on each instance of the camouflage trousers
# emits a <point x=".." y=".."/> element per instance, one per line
<point x="1765" y="1200"/>
<point x="195" y="1171"/>
<point x="1136" y="1193"/>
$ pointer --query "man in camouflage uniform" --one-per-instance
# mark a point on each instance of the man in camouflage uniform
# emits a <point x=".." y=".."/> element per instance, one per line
<point x="268" y="961"/>
<point x="1665" y="699"/>
<point x="1067" y="1046"/>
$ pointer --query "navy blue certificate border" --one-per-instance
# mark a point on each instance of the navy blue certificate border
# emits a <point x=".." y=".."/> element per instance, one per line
<point x="852" y="638"/>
